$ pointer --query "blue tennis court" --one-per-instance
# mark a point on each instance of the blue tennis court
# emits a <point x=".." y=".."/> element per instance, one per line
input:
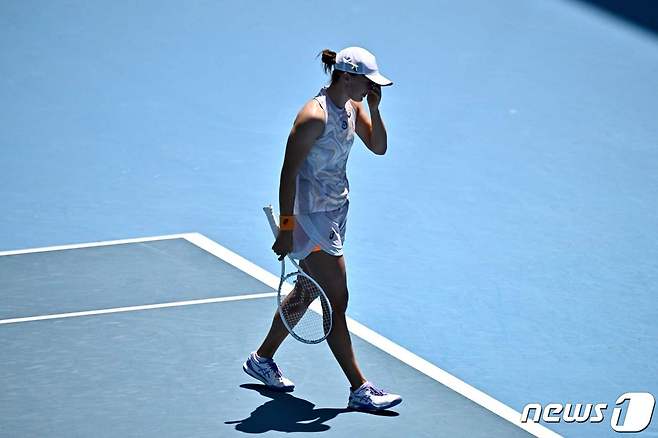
<point x="92" y="362"/>
<point x="503" y="252"/>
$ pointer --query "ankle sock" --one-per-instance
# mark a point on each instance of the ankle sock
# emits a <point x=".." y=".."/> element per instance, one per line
<point x="261" y="359"/>
<point x="355" y="390"/>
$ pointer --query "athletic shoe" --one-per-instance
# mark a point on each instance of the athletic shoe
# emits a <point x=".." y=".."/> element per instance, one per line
<point x="370" y="398"/>
<point x="265" y="370"/>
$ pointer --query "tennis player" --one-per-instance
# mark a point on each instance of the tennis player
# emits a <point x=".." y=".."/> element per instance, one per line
<point x="313" y="200"/>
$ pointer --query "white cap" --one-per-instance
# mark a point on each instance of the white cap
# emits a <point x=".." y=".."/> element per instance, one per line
<point x="359" y="61"/>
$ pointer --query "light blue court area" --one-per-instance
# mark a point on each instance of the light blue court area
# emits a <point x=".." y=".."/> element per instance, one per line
<point x="147" y="358"/>
<point x="508" y="237"/>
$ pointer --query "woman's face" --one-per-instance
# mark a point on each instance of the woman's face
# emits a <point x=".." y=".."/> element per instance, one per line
<point x="358" y="87"/>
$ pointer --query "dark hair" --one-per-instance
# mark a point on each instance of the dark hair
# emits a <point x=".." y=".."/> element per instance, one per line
<point x="328" y="62"/>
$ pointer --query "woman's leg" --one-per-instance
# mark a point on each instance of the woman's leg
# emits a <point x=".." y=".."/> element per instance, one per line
<point x="277" y="333"/>
<point x="274" y="338"/>
<point x="330" y="272"/>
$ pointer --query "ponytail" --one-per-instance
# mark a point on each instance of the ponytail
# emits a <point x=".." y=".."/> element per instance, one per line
<point x="328" y="60"/>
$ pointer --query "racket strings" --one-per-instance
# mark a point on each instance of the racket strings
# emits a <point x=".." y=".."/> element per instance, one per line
<point x="308" y="325"/>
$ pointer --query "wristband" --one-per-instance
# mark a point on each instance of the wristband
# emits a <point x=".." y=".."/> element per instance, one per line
<point x="286" y="223"/>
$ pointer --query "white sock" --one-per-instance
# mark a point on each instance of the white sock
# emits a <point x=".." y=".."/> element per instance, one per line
<point x="260" y="359"/>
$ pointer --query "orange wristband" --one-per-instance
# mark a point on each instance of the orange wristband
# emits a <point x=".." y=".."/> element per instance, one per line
<point x="286" y="223"/>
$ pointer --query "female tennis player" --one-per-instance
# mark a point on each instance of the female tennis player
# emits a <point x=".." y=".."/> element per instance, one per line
<point x="313" y="200"/>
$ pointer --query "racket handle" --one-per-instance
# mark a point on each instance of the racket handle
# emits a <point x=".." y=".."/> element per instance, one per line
<point x="269" y="212"/>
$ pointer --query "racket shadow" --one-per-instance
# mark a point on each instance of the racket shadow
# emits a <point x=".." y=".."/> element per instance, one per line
<point x="287" y="413"/>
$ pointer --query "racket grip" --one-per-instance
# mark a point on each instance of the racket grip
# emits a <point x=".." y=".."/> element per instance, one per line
<point x="269" y="212"/>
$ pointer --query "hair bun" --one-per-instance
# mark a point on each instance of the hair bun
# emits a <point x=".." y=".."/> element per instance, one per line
<point x="328" y="57"/>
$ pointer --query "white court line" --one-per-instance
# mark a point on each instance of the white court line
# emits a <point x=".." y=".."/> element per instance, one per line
<point x="232" y="258"/>
<point x="136" y="308"/>
<point x="92" y="244"/>
<point x="358" y="329"/>
<point x="385" y="344"/>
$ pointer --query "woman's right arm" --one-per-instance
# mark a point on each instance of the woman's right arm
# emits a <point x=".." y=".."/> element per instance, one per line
<point x="308" y="126"/>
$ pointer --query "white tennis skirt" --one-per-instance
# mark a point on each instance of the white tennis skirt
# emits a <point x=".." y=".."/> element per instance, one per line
<point x="320" y="231"/>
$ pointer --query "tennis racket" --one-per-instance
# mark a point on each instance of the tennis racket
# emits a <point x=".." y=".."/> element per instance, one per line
<point x="299" y="292"/>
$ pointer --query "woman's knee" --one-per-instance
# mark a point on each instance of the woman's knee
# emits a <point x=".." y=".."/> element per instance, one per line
<point x="340" y="300"/>
<point x="329" y="272"/>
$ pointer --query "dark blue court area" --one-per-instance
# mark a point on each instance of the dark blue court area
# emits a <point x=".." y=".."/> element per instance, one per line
<point x="176" y="371"/>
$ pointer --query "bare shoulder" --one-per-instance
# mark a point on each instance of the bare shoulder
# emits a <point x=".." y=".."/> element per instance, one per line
<point x="309" y="124"/>
<point x="311" y="112"/>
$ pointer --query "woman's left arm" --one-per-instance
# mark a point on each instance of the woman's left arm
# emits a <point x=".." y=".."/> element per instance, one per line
<point x="371" y="129"/>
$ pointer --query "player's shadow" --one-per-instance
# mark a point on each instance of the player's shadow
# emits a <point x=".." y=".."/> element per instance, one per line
<point x="287" y="413"/>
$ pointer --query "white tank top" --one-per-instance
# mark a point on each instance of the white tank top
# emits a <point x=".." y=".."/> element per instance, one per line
<point x="322" y="183"/>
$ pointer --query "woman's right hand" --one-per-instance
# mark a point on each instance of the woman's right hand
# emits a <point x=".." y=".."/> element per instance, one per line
<point x="283" y="244"/>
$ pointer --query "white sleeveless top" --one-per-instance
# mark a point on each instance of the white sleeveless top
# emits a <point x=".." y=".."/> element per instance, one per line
<point x="322" y="183"/>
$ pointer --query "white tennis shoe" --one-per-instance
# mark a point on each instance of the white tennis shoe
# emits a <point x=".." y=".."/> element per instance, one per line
<point x="370" y="398"/>
<point x="267" y="372"/>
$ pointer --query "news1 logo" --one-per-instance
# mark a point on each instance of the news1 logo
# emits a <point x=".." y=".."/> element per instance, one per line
<point x="639" y="411"/>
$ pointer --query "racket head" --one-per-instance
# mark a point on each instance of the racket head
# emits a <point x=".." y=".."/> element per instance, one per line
<point x="304" y="308"/>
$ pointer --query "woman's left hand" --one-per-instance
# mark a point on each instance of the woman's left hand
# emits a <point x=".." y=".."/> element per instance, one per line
<point x="374" y="96"/>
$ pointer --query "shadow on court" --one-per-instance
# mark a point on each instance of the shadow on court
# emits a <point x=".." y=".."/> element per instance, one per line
<point x="287" y="413"/>
<point x="641" y="13"/>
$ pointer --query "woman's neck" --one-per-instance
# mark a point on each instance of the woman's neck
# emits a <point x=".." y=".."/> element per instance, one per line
<point x="337" y="96"/>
